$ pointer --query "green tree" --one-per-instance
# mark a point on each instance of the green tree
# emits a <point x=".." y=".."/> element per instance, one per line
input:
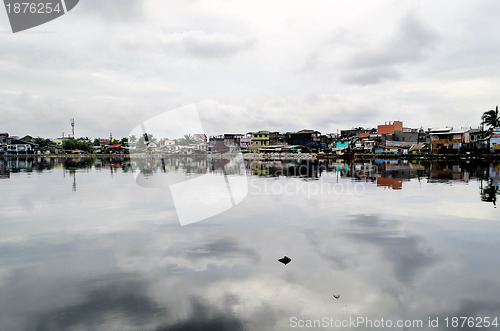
<point x="187" y="140"/>
<point x="43" y="142"/>
<point x="144" y="140"/>
<point x="133" y="138"/>
<point x="81" y="144"/>
<point x="491" y="118"/>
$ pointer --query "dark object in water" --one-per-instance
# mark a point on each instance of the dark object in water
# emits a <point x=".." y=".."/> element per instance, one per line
<point x="336" y="296"/>
<point x="285" y="260"/>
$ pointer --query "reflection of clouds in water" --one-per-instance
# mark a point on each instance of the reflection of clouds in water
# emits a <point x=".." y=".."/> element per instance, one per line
<point x="408" y="254"/>
<point x="124" y="304"/>
<point x="60" y="296"/>
<point x="116" y="305"/>
<point x="116" y="251"/>
<point x="195" y="278"/>
<point x="338" y="258"/>
<point x="205" y="317"/>
<point x="474" y="307"/>
<point x="225" y="247"/>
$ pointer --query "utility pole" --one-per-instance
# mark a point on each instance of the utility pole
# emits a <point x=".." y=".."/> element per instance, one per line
<point x="72" y="121"/>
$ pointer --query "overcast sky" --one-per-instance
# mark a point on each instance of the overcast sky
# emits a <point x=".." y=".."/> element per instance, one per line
<point x="252" y="65"/>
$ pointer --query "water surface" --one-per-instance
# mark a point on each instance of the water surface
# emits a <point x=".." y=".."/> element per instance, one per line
<point x="96" y="244"/>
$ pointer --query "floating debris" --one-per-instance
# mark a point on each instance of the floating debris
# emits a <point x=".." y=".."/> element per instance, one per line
<point x="285" y="260"/>
<point x="336" y="296"/>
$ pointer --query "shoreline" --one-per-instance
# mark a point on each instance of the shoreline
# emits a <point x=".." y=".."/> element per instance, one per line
<point x="269" y="157"/>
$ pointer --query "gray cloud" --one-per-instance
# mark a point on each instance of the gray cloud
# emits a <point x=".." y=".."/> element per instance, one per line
<point x="200" y="44"/>
<point x="123" y="11"/>
<point x="339" y="39"/>
<point x="369" y="76"/>
<point x="412" y="44"/>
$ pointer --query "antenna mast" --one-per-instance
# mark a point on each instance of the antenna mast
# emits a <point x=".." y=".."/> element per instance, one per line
<point x="72" y="121"/>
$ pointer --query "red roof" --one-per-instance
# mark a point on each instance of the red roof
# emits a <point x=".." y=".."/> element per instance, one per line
<point x="115" y="146"/>
<point x="221" y="148"/>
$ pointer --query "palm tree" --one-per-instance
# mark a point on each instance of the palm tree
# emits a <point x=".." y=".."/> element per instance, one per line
<point x="491" y="118"/>
<point x="188" y="139"/>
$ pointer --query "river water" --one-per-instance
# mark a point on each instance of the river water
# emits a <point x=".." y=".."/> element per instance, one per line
<point x="185" y="244"/>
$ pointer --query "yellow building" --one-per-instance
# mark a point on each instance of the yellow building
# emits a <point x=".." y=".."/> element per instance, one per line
<point x="57" y="141"/>
<point x="260" y="139"/>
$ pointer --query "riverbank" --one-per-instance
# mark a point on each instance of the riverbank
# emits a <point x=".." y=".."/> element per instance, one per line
<point x="269" y="156"/>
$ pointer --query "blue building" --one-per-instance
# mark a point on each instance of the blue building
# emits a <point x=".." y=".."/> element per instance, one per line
<point x="341" y="147"/>
<point x="387" y="149"/>
<point x="495" y="141"/>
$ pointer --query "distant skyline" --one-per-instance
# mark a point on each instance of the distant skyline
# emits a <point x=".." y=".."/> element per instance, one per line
<point x="248" y="66"/>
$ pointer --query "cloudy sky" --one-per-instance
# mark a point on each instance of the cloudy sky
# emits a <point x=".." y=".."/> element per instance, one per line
<point x="251" y="65"/>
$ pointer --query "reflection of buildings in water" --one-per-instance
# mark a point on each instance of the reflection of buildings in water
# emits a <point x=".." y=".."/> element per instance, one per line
<point x="447" y="172"/>
<point x="494" y="174"/>
<point x="365" y="170"/>
<point x="20" y="164"/>
<point x="417" y="167"/>
<point x="401" y="169"/>
<point x="339" y="165"/>
<point x="152" y="165"/>
<point x="394" y="183"/>
<point x="386" y="173"/>
<point x="235" y="167"/>
<point x="46" y="163"/>
<point x="78" y="163"/>
<point x="260" y="169"/>
<point x="4" y="169"/>
<point x="372" y="170"/>
<point x="301" y="169"/>
<point x="490" y="191"/>
<point x="74" y="181"/>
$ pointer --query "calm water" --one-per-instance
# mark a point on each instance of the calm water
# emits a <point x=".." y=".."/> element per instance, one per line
<point x="97" y="244"/>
